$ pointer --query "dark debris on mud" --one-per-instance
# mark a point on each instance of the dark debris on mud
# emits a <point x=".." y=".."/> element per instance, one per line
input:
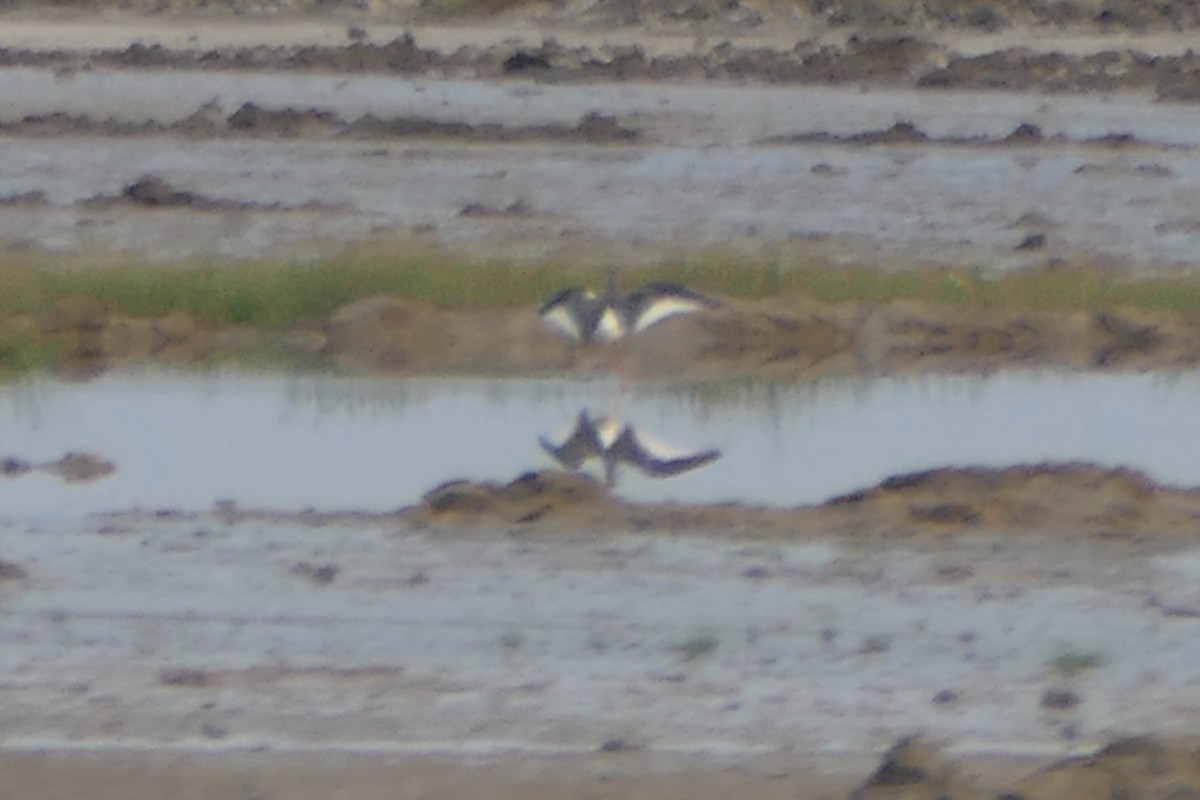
<point x="74" y="467"/>
<point x="153" y="191"/>
<point x="12" y="572"/>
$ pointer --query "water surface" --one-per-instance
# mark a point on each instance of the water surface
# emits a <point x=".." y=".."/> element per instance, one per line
<point x="186" y="441"/>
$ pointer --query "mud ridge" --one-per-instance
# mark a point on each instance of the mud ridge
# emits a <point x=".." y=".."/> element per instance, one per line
<point x="253" y="121"/>
<point x="151" y="191"/>
<point x="1044" y="499"/>
<point x="1027" y="134"/>
<point x="892" y="60"/>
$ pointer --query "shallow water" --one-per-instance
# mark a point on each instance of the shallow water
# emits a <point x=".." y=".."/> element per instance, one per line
<point x="700" y="175"/>
<point x="185" y="441"/>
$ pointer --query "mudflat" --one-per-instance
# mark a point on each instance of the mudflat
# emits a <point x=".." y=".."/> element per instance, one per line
<point x="1030" y="624"/>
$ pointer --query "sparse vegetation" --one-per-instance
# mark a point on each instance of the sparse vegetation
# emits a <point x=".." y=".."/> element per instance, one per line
<point x="698" y="645"/>
<point x="1070" y="662"/>
<point x="22" y="353"/>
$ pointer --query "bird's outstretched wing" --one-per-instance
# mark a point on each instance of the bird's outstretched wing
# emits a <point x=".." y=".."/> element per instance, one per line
<point x="656" y="459"/>
<point x="570" y="312"/>
<point x="580" y="445"/>
<point x="655" y="302"/>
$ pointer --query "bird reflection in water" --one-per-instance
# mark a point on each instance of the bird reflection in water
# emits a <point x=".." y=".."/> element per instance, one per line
<point x="615" y="443"/>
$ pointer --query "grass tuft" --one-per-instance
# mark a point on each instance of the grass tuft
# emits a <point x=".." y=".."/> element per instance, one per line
<point x="21" y="353"/>
<point x="698" y="646"/>
<point x="1072" y="662"/>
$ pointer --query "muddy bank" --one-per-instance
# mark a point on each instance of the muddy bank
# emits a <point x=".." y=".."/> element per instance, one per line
<point x="252" y="121"/>
<point x="785" y="339"/>
<point x="1040" y="499"/>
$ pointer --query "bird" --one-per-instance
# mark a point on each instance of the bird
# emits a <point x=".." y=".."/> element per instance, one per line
<point x="610" y="317"/>
<point x="614" y="442"/>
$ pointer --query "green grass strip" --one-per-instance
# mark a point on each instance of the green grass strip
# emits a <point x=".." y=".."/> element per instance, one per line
<point x="280" y="295"/>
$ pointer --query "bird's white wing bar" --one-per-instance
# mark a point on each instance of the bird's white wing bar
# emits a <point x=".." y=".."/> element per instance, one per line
<point x="661" y="308"/>
<point x="562" y="318"/>
<point x="611" y="325"/>
<point x="608" y="429"/>
<point x="659" y="450"/>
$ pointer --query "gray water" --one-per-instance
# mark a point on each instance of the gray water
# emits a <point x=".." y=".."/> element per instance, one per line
<point x="186" y="441"/>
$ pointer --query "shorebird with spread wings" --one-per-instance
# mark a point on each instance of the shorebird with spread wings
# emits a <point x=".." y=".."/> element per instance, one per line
<point x="610" y="317"/>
